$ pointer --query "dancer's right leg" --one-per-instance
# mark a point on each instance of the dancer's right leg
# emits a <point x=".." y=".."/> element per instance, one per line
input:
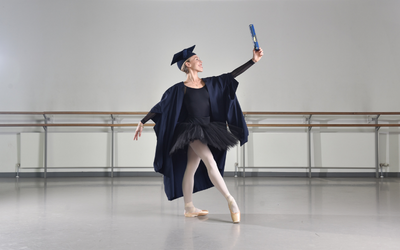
<point x="188" y="181"/>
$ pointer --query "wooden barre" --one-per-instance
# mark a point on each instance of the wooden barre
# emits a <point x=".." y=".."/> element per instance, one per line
<point x="151" y="125"/>
<point x="323" y="125"/>
<point x="72" y="113"/>
<point x="321" y="113"/>
<point x="74" y="125"/>
<point x="144" y="113"/>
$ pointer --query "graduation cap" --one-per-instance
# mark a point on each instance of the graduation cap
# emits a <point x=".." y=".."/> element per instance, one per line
<point x="182" y="56"/>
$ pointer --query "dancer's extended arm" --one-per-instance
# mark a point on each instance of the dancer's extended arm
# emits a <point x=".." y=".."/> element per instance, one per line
<point x="256" y="57"/>
<point x="139" y="128"/>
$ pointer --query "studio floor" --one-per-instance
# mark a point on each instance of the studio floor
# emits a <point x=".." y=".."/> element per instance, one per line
<point x="133" y="213"/>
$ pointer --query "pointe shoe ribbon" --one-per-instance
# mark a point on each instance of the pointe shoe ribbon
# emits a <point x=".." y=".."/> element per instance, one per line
<point x="235" y="216"/>
<point x="195" y="214"/>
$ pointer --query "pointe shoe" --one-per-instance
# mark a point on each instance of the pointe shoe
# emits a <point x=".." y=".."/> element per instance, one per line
<point x="235" y="216"/>
<point x="195" y="214"/>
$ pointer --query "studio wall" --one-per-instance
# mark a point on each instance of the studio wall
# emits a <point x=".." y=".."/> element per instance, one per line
<point x="114" y="55"/>
<point x="111" y="55"/>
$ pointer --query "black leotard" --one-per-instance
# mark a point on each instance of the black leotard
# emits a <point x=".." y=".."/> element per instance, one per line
<point x="197" y="101"/>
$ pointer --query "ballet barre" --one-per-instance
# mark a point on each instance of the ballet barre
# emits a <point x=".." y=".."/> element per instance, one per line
<point x="370" y="120"/>
<point x="44" y="123"/>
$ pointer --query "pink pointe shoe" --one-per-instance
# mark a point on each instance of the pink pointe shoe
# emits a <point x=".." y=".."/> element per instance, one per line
<point x="195" y="214"/>
<point x="191" y="211"/>
<point x="235" y="216"/>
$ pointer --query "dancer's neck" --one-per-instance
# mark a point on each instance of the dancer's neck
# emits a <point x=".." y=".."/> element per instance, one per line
<point x="193" y="80"/>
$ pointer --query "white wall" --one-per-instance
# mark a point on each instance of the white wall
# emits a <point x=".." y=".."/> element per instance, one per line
<point x="9" y="157"/>
<point x="114" y="55"/>
<point x="320" y="55"/>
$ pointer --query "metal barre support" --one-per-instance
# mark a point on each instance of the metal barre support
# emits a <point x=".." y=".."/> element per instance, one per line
<point x="244" y="155"/>
<point x="112" y="147"/>
<point x="45" y="148"/>
<point x="377" y="147"/>
<point x="309" y="146"/>
<point x="244" y="159"/>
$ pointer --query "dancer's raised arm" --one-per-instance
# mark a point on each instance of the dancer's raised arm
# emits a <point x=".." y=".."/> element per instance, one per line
<point x="256" y="57"/>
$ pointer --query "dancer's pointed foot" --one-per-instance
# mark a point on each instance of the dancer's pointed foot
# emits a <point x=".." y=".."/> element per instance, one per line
<point x="191" y="211"/>
<point x="234" y="209"/>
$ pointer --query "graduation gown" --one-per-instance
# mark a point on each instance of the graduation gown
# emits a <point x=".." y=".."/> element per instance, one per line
<point x="169" y="111"/>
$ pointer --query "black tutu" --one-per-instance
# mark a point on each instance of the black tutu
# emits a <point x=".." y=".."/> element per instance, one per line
<point x="214" y="134"/>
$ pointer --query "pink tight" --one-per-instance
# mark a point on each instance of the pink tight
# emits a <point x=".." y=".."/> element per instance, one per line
<point x="198" y="151"/>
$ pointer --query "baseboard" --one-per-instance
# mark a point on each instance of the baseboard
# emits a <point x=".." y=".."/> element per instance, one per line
<point x="319" y="175"/>
<point x="79" y="174"/>
<point x="226" y="174"/>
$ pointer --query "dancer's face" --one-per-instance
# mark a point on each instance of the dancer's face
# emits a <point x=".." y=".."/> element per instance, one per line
<point x="195" y="64"/>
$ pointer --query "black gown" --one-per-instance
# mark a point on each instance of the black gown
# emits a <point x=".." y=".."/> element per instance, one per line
<point x="198" y="125"/>
<point x="171" y="112"/>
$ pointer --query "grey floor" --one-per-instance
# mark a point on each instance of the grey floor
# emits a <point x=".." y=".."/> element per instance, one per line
<point x="133" y="213"/>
